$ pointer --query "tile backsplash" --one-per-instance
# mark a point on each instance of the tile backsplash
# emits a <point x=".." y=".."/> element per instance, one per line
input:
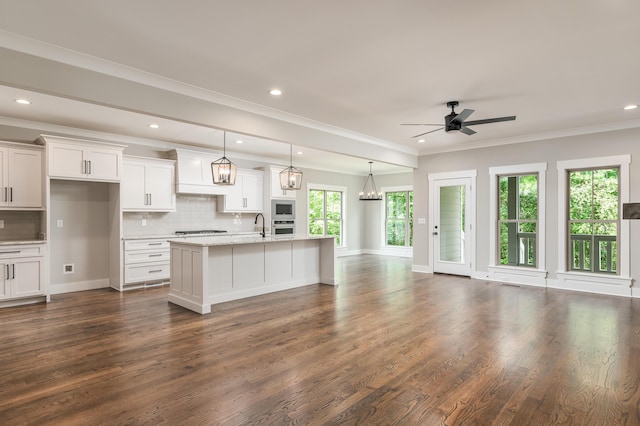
<point x="20" y="225"/>
<point x="192" y="212"/>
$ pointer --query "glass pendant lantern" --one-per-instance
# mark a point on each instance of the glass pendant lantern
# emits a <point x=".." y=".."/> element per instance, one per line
<point x="290" y="178"/>
<point x="223" y="170"/>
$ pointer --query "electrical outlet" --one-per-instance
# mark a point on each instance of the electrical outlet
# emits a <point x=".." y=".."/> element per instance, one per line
<point x="144" y="222"/>
<point x="1" y="223"/>
<point x="59" y="223"/>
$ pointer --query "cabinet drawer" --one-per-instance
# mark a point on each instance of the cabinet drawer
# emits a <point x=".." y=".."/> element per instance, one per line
<point x="21" y="251"/>
<point x="145" y="244"/>
<point x="141" y="256"/>
<point x="147" y="272"/>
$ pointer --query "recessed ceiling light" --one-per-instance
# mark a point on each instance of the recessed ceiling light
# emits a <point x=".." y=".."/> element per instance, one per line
<point x="631" y="107"/>
<point x="275" y="92"/>
<point x="154" y="126"/>
<point x="299" y="152"/>
<point x="421" y="141"/>
<point x="23" y="101"/>
<point x="239" y="141"/>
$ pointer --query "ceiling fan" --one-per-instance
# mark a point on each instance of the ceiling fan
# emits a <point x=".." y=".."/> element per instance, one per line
<point x="456" y="121"/>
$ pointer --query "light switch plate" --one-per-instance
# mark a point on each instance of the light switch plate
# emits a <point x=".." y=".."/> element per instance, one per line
<point x="1" y="223"/>
<point x="59" y="223"/>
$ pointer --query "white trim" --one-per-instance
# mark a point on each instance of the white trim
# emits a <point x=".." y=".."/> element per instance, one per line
<point x="494" y="172"/>
<point x="594" y="283"/>
<point x="584" y="281"/>
<point x="460" y="174"/>
<point x="518" y="275"/>
<point x="79" y="286"/>
<point x="424" y="269"/>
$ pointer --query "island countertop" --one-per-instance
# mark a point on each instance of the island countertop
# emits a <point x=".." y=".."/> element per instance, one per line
<point x="226" y="240"/>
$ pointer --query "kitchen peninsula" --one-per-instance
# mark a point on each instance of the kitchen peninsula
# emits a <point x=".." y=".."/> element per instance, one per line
<point x="210" y="270"/>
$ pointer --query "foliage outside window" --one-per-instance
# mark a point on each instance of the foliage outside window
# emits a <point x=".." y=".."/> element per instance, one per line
<point x="399" y="218"/>
<point x="518" y="220"/>
<point x="593" y="220"/>
<point x="325" y="213"/>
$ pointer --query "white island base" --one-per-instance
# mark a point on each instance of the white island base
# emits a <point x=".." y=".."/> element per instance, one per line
<point x="210" y="270"/>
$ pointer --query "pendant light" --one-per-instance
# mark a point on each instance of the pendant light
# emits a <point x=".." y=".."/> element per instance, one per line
<point x="290" y="178"/>
<point x="223" y="170"/>
<point x="370" y="193"/>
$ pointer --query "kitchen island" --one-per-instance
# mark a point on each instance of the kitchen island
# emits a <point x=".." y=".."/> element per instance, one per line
<point x="210" y="270"/>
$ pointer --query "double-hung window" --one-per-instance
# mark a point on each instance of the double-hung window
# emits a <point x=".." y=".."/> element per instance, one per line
<point x="325" y="207"/>
<point x="593" y="221"/>
<point x="398" y="218"/>
<point x="518" y="219"/>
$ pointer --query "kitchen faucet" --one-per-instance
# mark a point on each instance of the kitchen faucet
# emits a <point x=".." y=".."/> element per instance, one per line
<point x="256" y="222"/>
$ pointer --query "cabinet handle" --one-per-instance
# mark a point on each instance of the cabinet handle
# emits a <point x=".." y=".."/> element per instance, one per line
<point x="89" y="166"/>
<point x="10" y="252"/>
<point x="155" y="270"/>
<point x="84" y="167"/>
<point x="6" y="276"/>
<point x="155" y="255"/>
<point x="154" y="244"/>
<point x="13" y="271"/>
<point x="150" y="199"/>
<point x="11" y="192"/>
<point x="6" y="198"/>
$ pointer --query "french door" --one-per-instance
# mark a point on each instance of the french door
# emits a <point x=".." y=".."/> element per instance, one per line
<point x="452" y="230"/>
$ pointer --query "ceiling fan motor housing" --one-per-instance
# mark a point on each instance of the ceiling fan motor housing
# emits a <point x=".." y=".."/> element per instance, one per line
<point x="451" y="124"/>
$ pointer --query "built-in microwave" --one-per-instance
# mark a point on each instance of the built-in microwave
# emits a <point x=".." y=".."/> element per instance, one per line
<point x="283" y="210"/>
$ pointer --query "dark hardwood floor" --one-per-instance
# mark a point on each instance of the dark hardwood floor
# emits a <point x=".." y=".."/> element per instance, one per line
<point x="387" y="346"/>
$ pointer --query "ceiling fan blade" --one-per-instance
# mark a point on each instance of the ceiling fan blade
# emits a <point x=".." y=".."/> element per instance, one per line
<point x="490" y="120"/>
<point x="463" y="115"/>
<point x="419" y="124"/>
<point x="467" y="131"/>
<point x="426" y="133"/>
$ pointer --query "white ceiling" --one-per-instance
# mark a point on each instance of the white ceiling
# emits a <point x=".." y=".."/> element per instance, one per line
<point x="357" y="69"/>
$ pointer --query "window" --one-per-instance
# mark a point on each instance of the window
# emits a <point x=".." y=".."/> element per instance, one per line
<point x="517" y="223"/>
<point x="518" y="220"/>
<point x="326" y="213"/>
<point x="593" y="220"/>
<point x="593" y="243"/>
<point x="399" y="218"/>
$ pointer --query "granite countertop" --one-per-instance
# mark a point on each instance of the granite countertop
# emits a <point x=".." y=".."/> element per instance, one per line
<point x="180" y="237"/>
<point x="14" y="243"/>
<point x="243" y="239"/>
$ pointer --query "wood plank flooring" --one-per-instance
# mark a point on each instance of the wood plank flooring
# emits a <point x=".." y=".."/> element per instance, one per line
<point x="386" y="347"/>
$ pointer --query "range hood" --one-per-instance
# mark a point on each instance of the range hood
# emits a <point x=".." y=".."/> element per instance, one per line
<point x="193" y="173"/>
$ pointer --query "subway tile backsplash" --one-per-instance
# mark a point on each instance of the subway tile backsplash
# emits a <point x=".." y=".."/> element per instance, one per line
<point x="192" y="212"/>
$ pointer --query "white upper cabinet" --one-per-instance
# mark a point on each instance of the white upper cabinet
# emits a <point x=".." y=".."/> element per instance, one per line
<point x="21" y="177"/>
<point x="76" y="159"/>
<point x="194" y="173"/>
<point x="245" y="195"/>
<point x="276" y="189"/>
<point x="148" y="185"/>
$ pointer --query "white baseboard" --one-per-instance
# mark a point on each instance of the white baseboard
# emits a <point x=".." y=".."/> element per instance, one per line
<point x="79" y="286"/>
<point x="426" y="269"/>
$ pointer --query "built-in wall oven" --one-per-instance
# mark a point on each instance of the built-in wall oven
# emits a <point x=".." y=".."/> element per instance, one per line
<point x="282" y="210"/>
<point x="283" y="217"/>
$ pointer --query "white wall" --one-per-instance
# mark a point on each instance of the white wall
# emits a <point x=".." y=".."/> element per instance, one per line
<point x="83" y="240"/>
<point x="549" y="151"/>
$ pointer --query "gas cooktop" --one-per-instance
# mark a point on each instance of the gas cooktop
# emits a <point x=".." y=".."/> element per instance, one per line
<point x="201" y="232"/>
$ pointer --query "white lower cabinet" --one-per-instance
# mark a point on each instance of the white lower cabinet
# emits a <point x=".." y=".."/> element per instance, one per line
<point x="146" y="261"/>
<point x="21" y="272"/>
